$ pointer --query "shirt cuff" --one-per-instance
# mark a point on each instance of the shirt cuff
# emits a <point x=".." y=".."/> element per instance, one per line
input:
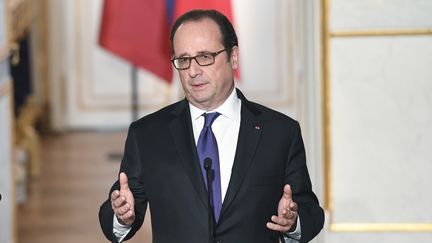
<point x="120" y="231"/>
<point x="295" y="235"/>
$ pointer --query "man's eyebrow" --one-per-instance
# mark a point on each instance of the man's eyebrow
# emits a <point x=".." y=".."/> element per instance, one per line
<point x="198" y="53"/>
<point x="181" y="55"/>
<point x="204" y="52"/>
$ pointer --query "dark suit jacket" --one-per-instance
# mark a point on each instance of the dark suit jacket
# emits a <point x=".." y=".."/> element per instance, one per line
<point x="161" y="162"/>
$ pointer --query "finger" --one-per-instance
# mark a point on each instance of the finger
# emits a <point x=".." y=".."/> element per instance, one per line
<point x="293" y="206"/>
<point x="290" y="215"/>
<point x="120" y="201"/>
<point x="124" y="186"/>
<point x="124" y="208"/>
<point x="282" y="212"/>
<point x="287" y="192"/>
<point x="127" y="218"/>
<point x="280" y="220"/>
<point x="130" y="214"/>
<point x="114" y="195"/>
<point x="127" y="215"/>
<point x="277" y="227"/>
<point x="285" y="200"/>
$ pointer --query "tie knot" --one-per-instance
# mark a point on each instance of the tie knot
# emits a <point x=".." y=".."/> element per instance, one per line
<point x="209" y="118"/>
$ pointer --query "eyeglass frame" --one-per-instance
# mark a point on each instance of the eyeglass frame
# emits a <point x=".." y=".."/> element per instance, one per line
<point x="212" y="54"/>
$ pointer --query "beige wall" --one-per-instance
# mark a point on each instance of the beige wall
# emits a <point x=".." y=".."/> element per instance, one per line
<point x="379" y="120"/>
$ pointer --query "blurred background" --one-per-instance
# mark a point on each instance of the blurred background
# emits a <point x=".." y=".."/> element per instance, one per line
<point x="356" y="74"/>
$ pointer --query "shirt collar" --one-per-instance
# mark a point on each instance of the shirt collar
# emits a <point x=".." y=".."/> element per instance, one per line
<point x="230" y="108"/>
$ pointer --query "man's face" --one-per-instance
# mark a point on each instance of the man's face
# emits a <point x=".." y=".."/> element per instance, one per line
<point x="206" y="87"/>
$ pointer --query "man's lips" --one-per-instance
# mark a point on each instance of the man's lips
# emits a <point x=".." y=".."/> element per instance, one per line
<point x="199" y="85"/>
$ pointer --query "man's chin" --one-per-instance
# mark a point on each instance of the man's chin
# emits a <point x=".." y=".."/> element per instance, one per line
<point x="201" y="102"/>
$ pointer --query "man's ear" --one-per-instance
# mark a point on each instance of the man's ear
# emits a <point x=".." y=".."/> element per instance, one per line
<point x="234" y="59"/>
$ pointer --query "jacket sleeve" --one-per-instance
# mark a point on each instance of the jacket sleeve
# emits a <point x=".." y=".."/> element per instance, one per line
<point x="296" y="174"/>
<point x="131" y="165"/>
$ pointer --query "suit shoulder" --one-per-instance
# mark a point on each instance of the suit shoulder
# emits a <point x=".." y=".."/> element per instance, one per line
<point x="160" y="116"/>
<point x="267" y="113"/>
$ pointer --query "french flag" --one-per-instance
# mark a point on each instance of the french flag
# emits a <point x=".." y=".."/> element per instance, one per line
<point x="138" y="30"/>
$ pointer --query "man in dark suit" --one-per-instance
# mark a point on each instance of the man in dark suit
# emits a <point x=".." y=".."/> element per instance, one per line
<point x="258" y="187"/>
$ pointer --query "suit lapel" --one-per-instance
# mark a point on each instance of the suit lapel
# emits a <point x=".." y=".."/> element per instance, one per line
<point x="249" y="134"/>
<point x="182" y="133"/>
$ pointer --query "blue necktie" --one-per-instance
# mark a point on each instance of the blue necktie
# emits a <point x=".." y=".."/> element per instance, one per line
<point x="207" y="148"/>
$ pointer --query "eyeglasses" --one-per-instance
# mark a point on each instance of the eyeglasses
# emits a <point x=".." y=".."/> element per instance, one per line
<point x="203" y="59"/>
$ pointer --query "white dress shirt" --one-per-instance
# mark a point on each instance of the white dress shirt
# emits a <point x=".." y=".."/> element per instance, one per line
<point x="225" y="128"/>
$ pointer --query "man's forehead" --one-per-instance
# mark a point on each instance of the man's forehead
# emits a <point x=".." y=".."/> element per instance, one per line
<point x="206" y="23"/>
<point x="197" y="28"/>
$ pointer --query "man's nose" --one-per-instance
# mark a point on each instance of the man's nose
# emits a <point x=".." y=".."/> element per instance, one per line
<point x="194" y="69"/>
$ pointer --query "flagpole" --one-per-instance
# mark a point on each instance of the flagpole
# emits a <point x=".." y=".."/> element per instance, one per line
<point x="134" y="92"/>
<point x="134" y="106"/>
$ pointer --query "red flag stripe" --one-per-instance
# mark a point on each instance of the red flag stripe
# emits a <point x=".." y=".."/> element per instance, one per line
<point x="138" y="31"/>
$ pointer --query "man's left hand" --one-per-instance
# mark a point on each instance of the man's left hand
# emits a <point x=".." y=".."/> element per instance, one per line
<point x="286" y="220"/>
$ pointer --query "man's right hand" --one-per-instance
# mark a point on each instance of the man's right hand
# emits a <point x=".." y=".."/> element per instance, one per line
<point x="122" y="202"/>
